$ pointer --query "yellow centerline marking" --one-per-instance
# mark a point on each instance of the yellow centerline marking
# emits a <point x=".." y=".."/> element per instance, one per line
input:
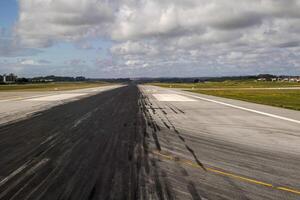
<point x="223" y="173"/>
<point x="288" y="190"/>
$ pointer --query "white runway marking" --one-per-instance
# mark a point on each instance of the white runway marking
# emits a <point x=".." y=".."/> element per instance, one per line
<point x="171" y="97"/>
<point x="246" y="109"/>
<point x="57" y="97"/>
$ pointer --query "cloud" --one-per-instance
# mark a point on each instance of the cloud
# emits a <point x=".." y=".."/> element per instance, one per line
<point x="32" y="62"/>
<point x="75" y="62"/>
<point x="42" y="61"/>
<point x="42" y="23"/>
<point x="28" y="62"/>
<point x="9" y="47"/>
<point x="130" y="47"/>
<point x="204" y="36"/>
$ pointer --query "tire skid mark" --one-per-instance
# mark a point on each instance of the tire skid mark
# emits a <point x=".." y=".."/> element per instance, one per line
<point x="175" y="109"/>
<point x="170" y="126"/>
<point x="43" y="184"/>
<point x="32" y="182"/>
<point x="151" y="122"/>
<point x="63" y="146"/>
<point x="162" y="186"/>
<point x="31" y="171"/>
<point x="163" y="182"/>
<point x="14" y="173"/>
<point x="172" y="109"/>
<point x="186" y="145"/>
<point x="53" y="141"/>
<point x="55" y="175"/>
<point x="83" y="118"/>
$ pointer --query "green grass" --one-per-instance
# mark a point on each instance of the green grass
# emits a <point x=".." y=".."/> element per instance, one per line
<point x="60" y="86"/>
<point x="281" y="98"/>
<point x="247" y="90"/>
<point x="230" y="84"/>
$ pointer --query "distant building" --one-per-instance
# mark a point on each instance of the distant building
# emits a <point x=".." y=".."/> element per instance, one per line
<point x="273" y="79"/>
<point x="10" y="78"/>
<point x="285" y="79"/>
<point x="262" y="79"/>
<point x="293" y="80"/>
<point x="281" y="79"/>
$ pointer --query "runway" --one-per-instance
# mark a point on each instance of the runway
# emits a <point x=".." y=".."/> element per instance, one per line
<point x="19" y="105"/>
<point x="85" y="149"/>
<point x="216" y="148"/>
<point x="148" y="142"/>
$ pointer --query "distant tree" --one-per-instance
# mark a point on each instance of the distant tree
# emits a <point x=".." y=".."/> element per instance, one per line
<point x="22" y="80"/>
<point x="196" y="80"/>
<point x="80" y="78"/>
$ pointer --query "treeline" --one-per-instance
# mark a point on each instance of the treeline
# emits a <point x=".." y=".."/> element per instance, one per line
<point x="112" y="80"/>
<point x="193" y="79"/>
<point x="204" y="79"/>
<point x="52" y="78"/>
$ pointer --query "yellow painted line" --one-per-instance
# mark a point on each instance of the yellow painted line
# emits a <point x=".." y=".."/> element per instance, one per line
<point x="223" y="173"/>
<point x="241" y="178"/>
<point x="288" y="190"/>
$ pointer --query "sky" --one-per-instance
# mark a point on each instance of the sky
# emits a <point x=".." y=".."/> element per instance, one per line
<point x="149" y="38"/>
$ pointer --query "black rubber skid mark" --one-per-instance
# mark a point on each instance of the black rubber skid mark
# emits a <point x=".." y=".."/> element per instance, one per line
<point x="92" y="194"/>
<point x="193" y="191"/>
<point x="156" y="141"/>
<point x="195" y="157"/>
<point x="173" y="110"/>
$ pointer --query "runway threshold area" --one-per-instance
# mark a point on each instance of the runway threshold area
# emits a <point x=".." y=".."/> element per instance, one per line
<point x="122" y="144"/>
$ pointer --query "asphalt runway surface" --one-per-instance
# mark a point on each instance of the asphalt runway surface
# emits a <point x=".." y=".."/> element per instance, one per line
<point x="216" y="148"/>
<point x="19" y="105"/>
<point x="151" y="143"/>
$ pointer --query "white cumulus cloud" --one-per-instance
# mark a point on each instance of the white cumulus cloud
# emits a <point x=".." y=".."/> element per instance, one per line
<point x="190" y="35"/>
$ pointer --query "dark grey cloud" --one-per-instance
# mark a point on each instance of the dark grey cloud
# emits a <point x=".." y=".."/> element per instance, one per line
<point x="244" y="20"/>
<point x="8" y="48"/>
<point x="289" y="44"/>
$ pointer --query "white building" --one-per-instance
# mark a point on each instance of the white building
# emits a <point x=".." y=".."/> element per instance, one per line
<point x="10" y="78"/>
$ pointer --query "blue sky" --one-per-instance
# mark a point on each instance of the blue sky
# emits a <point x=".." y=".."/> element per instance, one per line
<point x="58" y="55"/>
<point x="9" y="12"/>
<point x="98" y="38"/>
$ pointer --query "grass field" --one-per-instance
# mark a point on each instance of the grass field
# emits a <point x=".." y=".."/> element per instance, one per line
<point x="51" y="86"/>
<point x="230" y="84"/>
<point x="281" y="98"/>
<point x="251" y="91"/>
